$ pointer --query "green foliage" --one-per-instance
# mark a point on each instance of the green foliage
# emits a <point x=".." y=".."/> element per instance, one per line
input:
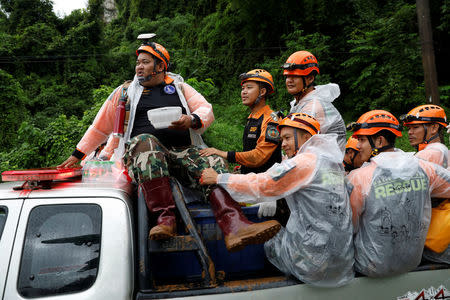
<point x="12" y="109"/>
<point x="25" y="13"/>
<point x="224" y="136"/>
<point x="206" y="87"/>
<point x="384" y="70"/>
<point x="52" y="68"/>
<point x="48" y="146"/>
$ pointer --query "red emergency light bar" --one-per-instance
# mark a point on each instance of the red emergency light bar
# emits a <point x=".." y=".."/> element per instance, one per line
<point x="43" y="174"/>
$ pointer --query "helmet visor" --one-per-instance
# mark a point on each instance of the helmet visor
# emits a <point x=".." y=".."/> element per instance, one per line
<point x="412" y="118"/>
<point x="356" y="126"/>
<point x="292" y="66"/>
<point x="250" y="76"/>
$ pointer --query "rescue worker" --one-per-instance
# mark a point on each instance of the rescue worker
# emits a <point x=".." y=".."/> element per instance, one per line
<point x="351" y="158"/>
<point x="426" y="126"/>
<point x="261" y="140"/>
<point x="316" y="246"/>
<point x="300" y="71"/>
<point x="390" y="198"/>
<point x="150" y="153"/>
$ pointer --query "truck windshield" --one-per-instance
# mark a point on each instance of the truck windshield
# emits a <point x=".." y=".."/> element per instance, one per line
<point x="61" y="251"/>
<point x="2" y="219"/>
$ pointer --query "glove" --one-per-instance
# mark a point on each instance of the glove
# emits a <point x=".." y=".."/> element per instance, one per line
<point x="448" y="129"/>
<point x="267" y="209"/>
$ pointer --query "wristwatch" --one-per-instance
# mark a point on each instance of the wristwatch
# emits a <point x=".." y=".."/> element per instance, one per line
<point x="196" y="123"/>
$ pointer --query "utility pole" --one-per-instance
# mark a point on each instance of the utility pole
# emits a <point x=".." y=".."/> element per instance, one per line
<point x="426" y="42"/>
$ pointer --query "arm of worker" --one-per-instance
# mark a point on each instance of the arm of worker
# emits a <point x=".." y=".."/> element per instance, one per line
<point x="98" y="132"/>
<point x="267" y="143"/>
<point x="281" y="180"/>
<point x="200" y="109"/>
<point x="439" y="179"/>
<point x="435" y="153"/>
<point x="358" y="186"/>
<point x="213" y="151"/>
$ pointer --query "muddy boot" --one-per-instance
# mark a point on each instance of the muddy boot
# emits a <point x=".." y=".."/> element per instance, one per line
<point x="159" y="199"/>
<point x="238" y="231"/>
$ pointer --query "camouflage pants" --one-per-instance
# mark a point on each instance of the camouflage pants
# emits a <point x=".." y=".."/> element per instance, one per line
<point x="146" y="158"/>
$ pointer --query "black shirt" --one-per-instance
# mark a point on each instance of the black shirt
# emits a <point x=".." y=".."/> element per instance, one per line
<point x="162" y="95"/>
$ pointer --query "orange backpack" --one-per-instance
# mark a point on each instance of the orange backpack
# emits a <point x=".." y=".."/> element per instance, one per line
<point x="438" y="237"/>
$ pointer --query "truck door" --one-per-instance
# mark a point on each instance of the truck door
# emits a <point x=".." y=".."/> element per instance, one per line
<point x="72" y="248"/>
<point x="9" y="217"/>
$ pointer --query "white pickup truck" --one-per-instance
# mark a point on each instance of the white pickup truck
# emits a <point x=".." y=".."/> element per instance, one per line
<point x="65" y="239"/>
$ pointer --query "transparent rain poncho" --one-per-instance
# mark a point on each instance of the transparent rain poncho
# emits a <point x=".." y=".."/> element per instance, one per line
<point x="436" y="153"/>
<point x="390" y="197"/>
<point x="316" y="245"/>
<point x="318" y="104"/>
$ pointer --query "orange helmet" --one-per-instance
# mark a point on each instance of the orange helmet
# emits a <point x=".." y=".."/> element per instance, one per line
<point x="423" y="114"/>
<point x="156" y="50"/>
<point x="301" y="121"/>
<point x="374" y="121"/>
<point x="258" y="75"/>
<point x="300" y="63"/>
<point x="351" y="143"/>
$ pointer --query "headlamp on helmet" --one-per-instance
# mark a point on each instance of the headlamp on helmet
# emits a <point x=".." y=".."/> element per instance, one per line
<point x="154" y="49"/>
<point x="301" y="63"/>
<point x="428" y="113"/>
<point x="374" y="121"/>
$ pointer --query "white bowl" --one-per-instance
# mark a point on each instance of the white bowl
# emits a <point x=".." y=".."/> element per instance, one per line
<point x="164" y="116"/>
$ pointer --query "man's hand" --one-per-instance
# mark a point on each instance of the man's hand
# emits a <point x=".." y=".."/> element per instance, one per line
<point x="209" y="176"/>
<point x="448" y="128"/>
<point x="267" y="209"/>
<point x="213" y="151"/>
<point x="184" y="123"/>
<point x="68" y="162"/>
<point x="208" y="151"/>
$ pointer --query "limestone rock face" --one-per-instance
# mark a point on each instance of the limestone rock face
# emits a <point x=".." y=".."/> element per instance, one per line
<point x="110" y="10"/>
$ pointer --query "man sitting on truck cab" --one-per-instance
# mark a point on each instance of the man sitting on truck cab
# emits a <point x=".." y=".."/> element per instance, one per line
<point x="316" y="245"/>
<point x="426" y="126"/>
<point x="149" y="153"/>
<point x="390" y="198"/>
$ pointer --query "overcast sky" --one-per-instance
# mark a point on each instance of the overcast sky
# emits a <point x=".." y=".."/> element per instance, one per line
<point x="64" y="7"/>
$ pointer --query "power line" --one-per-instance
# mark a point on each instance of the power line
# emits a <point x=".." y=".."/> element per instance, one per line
<point x="85" y="57"/>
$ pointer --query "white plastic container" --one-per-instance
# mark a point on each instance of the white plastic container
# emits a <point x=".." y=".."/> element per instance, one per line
<point x="164" y="116"/>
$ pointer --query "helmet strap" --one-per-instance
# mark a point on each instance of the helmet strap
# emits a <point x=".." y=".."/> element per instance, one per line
<point x="304" y="91"/>
<point x="143" y="79"/>
<point x="375" y="150"/>
<point x="426" y="141"/>
<point x="296" y="140"/>
<point x="258" y="99"/>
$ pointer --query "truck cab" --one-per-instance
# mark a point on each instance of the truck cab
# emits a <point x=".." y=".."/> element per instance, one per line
<point x="67" y="239"/>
